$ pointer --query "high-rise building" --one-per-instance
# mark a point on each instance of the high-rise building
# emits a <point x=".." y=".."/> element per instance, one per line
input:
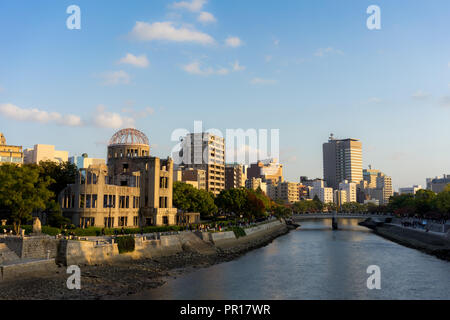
<point x="44" y="152"/>
<point x="206" y="151"/>
<point x="10" y="154"/>
<point x="255" y="183"/>
<point x="286" y="191"/>
<point x="342" y="160"/>
<point x="270" y="171"/>
<point x="350" y="190"/>
<point x="377" y="185"/>
<point x="438" y="184"/>
<point x="234" y="176"/>
<point x="320" y="190"/>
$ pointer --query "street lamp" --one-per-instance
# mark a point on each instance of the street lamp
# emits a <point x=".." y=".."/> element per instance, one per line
<point x="109" y="219"/>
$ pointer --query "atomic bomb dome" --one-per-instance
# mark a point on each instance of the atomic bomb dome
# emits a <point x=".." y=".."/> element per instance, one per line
<point x="129" y="137"/>
<point x="128" y="143"/>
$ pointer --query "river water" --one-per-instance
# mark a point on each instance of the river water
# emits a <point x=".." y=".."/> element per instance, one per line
<point x="315" y="262"/>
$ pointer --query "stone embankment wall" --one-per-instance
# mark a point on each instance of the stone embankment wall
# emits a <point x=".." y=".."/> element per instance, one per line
<point x="103" y="250"/>
<point x="36" y="247"/>
<point x="90" y="252"/>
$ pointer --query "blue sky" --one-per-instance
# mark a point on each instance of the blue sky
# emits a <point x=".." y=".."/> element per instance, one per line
<point x="307" y="68"/>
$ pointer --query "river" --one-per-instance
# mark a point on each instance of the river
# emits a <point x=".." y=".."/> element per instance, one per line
<point x="315" y="262"/>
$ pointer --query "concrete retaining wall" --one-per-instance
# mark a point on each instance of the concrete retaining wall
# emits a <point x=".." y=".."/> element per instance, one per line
<point x="86" y="252"/>
<point x="220" y="236"/>
<point x="35" y="247"/>
<point x="262" y="227"/>
<point x="17" y="270"/>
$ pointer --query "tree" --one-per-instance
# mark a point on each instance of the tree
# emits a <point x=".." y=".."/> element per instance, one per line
<point x="62" y="174"/>
<point x="255" y="207"/>
<point x="232" y="201"/>
<point x="425" y="201"/>
<point x="23" y="190"/>
<point x="282" y="211"/>
<point x="189" y="199"/>
<point x="443" y="202"/>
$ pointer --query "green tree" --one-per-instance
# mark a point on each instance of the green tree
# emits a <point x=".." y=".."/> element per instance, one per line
<point x="62" y="174"/>
<point x="443" y="202"/>
<point x="23" y="190"/>
<point x="232" y="200"/>
<point x="189" y="199"/>
<point x="425" y="201"/>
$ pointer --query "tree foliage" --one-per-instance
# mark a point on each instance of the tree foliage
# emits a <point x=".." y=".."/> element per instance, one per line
<point x="22" y="190"/>
<point x="189" y="199"/>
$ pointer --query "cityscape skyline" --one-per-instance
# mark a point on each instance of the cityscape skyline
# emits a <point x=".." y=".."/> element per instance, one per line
<point x="88" y="83"/>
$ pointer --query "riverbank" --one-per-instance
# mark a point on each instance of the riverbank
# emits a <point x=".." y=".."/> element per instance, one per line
<point x="126" y="277"/>
<point x="429" y="243"/>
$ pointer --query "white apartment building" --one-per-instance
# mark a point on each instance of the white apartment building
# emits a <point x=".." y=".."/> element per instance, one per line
<point x="350" y="190"/>
<point x="206" y="151"/>
<point x="43" y="152"/>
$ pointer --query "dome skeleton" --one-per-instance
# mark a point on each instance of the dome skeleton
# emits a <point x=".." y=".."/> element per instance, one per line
<point x="129" y="137"/>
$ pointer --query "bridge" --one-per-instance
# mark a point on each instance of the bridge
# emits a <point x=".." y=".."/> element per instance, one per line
<point x="336" y="216"/>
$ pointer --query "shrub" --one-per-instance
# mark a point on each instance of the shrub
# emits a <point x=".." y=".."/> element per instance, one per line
<point x="125" y="244"/>
<point x="51" y="231"/>
<point x="238" y="231"/>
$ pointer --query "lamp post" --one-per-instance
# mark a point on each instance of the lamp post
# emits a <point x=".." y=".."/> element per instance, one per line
<point x="109" y="218"/>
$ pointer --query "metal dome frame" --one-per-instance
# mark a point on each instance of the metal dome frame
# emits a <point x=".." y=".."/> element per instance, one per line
<point x="129" y="136"/>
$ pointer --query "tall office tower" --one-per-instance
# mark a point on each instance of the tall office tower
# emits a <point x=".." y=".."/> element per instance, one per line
<point x="342" y="160"/>
<point x="206" y="151"/>
<point x="377" y="185"/>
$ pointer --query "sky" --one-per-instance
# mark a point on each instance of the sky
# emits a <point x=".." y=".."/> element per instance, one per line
<point x="307" y="68"/>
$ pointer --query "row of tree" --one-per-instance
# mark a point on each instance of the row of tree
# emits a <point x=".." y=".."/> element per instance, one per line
<point x="30" y="188"/>
<point x="425" y="204"/>
<point x="239" y="202"/>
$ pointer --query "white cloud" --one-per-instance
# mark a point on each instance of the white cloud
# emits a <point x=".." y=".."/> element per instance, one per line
<point x="233" y="42"/>
<point x="195" y="68"/>
<point x="137" y="61"/>
<point x="375" y="100"/>
<point x="237" y="67"/>
<point x="445" y="102"/>
<point x="321" y="52"/>
<point x="421" y="95"/>
<point x="194" y="5"/>
<point x="104" y="119"/>
<point x="262" y="81"/>
<point x="139" y="114"/>
<point x="206" y="17"/>
<point x="14" y="112"/>
<point x="167" y="31"/>
<point x="115" y="78"/>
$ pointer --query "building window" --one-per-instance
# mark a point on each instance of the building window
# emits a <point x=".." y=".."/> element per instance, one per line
<point x="88" y="201"/>
<point x="166" y="220"/>
<point x="82" y="200"/>
<point x="94" y="201"/>
<point x="135" y="221"/>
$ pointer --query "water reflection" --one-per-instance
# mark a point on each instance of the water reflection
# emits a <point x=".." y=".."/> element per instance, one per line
<point x="315" y="262"/>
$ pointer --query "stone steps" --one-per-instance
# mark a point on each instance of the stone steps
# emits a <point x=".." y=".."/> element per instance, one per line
<point x="7" y="255"/>
<point x="191" y="242"/>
